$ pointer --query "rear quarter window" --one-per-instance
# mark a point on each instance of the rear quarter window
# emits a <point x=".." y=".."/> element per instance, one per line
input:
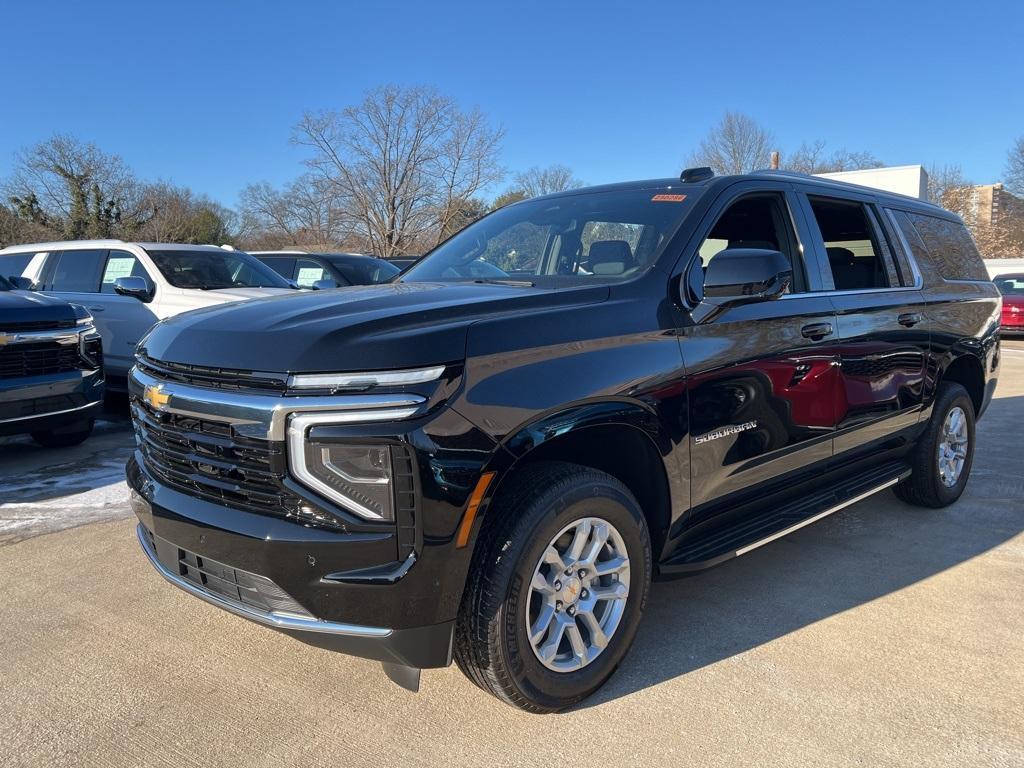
<point x="950" y="249"/>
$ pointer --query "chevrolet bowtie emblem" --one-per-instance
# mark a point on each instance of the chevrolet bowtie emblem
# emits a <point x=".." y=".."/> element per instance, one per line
<point x="155" y="397"/>
<point x="5" y="339"/>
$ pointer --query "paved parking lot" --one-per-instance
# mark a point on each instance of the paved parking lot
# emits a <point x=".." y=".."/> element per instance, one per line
<point x="883" y="635"/>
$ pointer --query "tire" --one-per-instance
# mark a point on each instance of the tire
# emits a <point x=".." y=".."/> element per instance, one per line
<point x="492" y="643"/>
<point x="926" y="486"/>
<point x="65" y="437"/>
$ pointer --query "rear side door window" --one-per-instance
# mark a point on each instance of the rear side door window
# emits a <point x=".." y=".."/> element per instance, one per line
<point x="853" y="245"/>
<point x="77" y="271"/>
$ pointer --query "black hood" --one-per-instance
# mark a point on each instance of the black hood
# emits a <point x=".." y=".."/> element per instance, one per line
<point x="17" y="307"/>
<point x="379" y="327"/>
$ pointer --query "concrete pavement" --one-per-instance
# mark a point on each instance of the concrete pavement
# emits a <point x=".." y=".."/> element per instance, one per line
<point x="883" y="635"/>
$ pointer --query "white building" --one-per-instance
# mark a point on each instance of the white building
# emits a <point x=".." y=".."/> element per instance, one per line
<point x="910" y="180"/>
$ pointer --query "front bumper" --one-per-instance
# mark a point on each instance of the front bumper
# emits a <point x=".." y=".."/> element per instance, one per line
<point x="293" y="560"/>
<point x="49" y="402"/>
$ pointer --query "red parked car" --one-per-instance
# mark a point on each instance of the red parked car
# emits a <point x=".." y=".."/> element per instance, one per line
<point x="1012" y="288"/>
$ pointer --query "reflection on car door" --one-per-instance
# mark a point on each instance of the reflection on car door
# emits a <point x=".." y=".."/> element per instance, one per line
<point x="882" y="324"/>
<point x="761" y="377"/>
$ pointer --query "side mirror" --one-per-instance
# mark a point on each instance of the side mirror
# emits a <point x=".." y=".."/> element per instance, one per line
<point x="325" y="284"/>
<point x="135" y="287"/>
<point x="22" y="283"/>
<point x="741" y="276"/>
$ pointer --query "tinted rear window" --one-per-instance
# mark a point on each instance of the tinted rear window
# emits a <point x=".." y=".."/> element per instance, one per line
<point x="951" y="251"/>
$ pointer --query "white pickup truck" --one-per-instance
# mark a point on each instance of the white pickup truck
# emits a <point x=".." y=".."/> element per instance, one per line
<point x="128" y="287"/>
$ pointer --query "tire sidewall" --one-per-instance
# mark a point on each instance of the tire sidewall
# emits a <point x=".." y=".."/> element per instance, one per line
<point x="537" y="682"/>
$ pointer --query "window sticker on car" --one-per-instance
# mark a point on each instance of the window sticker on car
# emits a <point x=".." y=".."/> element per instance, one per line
<point x="118" y="267"/>
<point x="664" y="198"/>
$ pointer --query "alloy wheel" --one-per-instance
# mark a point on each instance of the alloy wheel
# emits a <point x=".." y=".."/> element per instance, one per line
<point x="952" y="450"/>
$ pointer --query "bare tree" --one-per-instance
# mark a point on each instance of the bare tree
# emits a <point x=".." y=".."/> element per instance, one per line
<point x="78" y="185"/>
<point x="403" y="162"/>
<point x="306" y="213"/>
<point x="178" y="215"/>
<point x="1014" y="173"/>
<point x="995" y="237"/>
<point x="812" y="157"/>
<point x="535" y="181"/>
<point x="738" y="144"/>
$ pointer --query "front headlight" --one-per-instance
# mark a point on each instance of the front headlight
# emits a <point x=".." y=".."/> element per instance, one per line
<point x="356" y="477"/>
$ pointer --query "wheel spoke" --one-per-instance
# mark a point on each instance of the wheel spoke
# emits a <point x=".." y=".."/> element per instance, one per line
<point x="614" y="591"/>
<point x="598" y="538"/>
<point x="579" y="540"/>
<point x="553" y="558"/>
<point x="607" y="567"/>
<point x="540" y="626"/>
<point x="579" y="648"/>
<point x="597" y="636"/>
<point x="550" y="647"/>
<point x="540" y="584"/>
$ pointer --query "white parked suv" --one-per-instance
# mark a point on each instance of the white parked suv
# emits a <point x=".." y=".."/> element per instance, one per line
<point x="127" y="287"/>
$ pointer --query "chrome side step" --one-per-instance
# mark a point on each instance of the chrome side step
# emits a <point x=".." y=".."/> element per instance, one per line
<point x="707" y="548"/>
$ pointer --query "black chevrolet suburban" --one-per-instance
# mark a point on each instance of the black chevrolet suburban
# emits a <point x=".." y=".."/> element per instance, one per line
<point x="488" y="460"/>
<point x="51" y="368"/>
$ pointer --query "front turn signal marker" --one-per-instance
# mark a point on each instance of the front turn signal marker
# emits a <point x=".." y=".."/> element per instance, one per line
<point x="474" y="504"/>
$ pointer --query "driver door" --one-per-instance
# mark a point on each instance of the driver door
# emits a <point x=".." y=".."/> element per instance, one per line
<point x="761" y="377"/>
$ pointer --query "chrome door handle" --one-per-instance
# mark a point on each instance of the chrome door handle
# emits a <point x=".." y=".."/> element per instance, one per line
<point x="910" y="319"/>
<point x="816" y="331"/>
<point x="97" y="309"/>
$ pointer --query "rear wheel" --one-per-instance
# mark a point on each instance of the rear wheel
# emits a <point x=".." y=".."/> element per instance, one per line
<point x="65" y="437"/>
<point x="943" y="456"/>
<point x="557" y="587"/>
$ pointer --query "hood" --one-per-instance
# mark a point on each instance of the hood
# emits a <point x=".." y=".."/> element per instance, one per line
<point x="27" y="307"/>
<point x="373" y="327"/>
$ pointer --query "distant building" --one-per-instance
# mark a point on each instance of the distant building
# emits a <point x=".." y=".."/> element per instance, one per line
<point x="910" y="180"/>
<point x="991" y="205"/>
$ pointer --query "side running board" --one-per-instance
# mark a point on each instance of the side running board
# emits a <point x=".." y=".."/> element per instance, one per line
<point x="749" y="533"/>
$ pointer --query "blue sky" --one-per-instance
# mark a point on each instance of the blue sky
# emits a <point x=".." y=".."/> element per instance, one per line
<point x="205" y="93"/>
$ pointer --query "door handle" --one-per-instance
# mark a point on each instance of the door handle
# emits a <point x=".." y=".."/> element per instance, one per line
<point x="816" y="331"/>
<point x="97" y="309"/>
<point x="910" y="319"/>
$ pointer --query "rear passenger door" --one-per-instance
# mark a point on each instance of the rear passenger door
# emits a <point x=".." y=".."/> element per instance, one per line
<point x="883" y="336"/>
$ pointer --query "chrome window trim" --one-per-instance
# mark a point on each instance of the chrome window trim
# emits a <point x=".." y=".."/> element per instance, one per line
<point x="918" y="279"/>
<point x="299" y="425"/>
<point x="265" y="416"/>
<point x="285" y="621"/>
<point x="367" y="379"/>
<point x="848" y="292"/>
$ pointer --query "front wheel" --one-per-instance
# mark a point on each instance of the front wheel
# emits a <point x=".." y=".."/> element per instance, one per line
<point x="941" y="461"/>
<point x="557" y="587"/>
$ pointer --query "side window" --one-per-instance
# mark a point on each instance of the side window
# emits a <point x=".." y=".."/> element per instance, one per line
<point x="77" y="271"/>
<point x="851" y="243"/>
<point x="121" y="264"/>
<point x="22" y="265"/>
<point x="308" y="272"/>
<point x="757" y="221"/>
<point x="285" y="267"/>
<point x="949" y="247"/>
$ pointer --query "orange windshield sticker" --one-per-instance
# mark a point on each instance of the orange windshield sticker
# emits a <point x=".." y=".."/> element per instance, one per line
<point x="668" y="198"/>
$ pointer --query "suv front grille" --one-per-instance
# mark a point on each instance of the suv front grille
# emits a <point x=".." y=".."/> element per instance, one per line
<point x="38" y="359"/>
<point x="213" y="378"/>
<point x="205" y="458"/>
<point x="37" y="325"/>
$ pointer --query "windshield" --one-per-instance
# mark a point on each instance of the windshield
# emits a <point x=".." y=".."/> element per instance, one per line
<point x="364" y="270"/>
<point x="1010" y="286"/>
<point x="214" y="269"/>
<point x="575" y="238"/>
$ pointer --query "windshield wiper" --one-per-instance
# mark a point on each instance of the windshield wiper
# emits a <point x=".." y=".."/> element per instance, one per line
<point x="504" y="281"/>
